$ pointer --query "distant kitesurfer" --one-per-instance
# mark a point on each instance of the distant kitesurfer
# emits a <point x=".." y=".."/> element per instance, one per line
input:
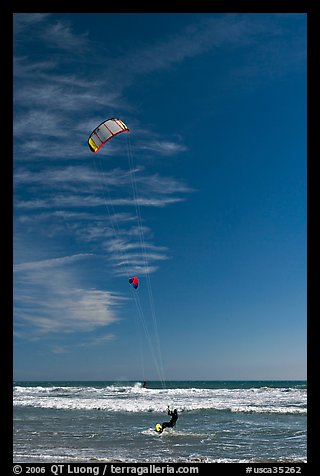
<point x="173" y="421"/>
<point x="144" y="384"/>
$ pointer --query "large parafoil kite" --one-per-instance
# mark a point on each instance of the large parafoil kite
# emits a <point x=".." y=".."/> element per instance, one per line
<point x="104" y="132"/>
<point x="98" y="138"/>
<point x="134" y="281"/>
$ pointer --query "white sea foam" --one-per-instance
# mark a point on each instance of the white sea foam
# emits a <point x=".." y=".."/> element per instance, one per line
<point x="117" y="398"/>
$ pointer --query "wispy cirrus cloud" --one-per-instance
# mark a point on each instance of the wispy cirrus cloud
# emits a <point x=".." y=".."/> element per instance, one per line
<point x="65" y="310"/>
<point x="95" y="341"/>
<point x="152" y="190"/>
<point x="23" y="21"/>
<point x="163" y="147"/>
<point x="72" y="176"/>
<point x="76" y="201"/>
<point x="45" y="27"/>
<point x="65" y="94"/>
<point x="49" y="299"/>
<point x="60" y="35"/>
<point x="58" y="197"/>
<point x="48" y="263"/>
<point x="25" y="69"/>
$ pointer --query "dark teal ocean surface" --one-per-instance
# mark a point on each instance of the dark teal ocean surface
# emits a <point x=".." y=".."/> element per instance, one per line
<point x="219" y="421"/>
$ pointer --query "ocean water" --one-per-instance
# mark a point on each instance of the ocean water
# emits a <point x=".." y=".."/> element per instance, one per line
<point x="231" y="422"/>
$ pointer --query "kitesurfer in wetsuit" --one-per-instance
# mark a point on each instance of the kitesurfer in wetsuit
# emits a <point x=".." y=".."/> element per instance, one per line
<point x="173" y="421"/>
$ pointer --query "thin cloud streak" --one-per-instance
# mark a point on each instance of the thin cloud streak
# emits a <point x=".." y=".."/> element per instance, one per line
<point x="48" y="263"/>
<point x="83" y="343"/>
<point x="96" y="341"/>
<point x="56" y="34"/>
<point x="163" y="147"/>
<point x="71" y="178"/>
<point x="80" y="201"/>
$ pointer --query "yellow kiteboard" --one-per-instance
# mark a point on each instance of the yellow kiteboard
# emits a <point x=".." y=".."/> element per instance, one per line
<point x="158" y="428"/>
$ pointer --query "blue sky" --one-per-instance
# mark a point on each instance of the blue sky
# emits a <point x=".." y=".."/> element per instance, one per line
<point x="204" y="199"/>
